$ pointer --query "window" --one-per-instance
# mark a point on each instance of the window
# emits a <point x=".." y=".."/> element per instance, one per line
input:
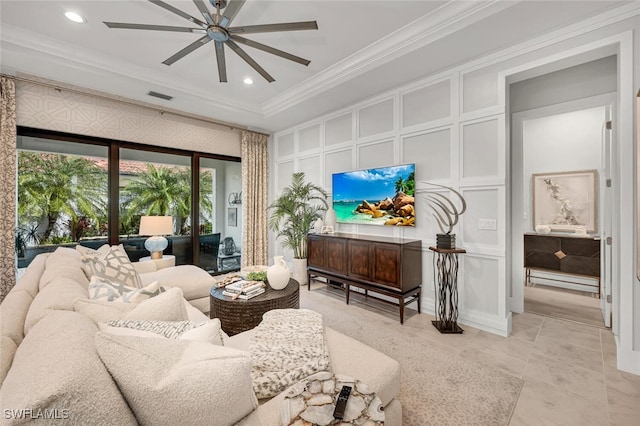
<point x="63" y="195"/>
<point x="66" y="197"/>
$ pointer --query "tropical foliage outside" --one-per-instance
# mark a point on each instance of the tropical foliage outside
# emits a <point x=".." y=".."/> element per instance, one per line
<point x="63" y="198"/>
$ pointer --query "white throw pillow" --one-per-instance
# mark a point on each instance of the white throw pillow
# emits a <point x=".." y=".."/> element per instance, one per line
<point x="57" y="368"/>
<point x="166" y="379"/>
<point x="207" y="331"/>
<point x="113" y="291"/>
<point x="113" y="264"/>
<point x="167" y="306"/>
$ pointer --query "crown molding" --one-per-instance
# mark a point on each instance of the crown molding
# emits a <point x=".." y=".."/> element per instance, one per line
<point x="443" y="21"/>
<point x="24" y="43"/>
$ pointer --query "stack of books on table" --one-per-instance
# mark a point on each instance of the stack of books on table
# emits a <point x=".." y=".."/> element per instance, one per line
<point x="244" y="289"/>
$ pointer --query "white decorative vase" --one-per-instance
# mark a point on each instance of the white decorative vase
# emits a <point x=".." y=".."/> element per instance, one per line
<point x="278" y="274"/>
<point x="330" y="218"/>
<point x="300" y="270"/>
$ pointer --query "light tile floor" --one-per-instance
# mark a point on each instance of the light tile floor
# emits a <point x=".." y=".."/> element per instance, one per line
<point x="569" y="369"/>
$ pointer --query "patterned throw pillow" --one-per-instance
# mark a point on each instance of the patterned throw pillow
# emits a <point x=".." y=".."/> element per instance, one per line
<point x="113" y="291"/>
<point x="113" y="264"/>
<point x="205" y="331"/>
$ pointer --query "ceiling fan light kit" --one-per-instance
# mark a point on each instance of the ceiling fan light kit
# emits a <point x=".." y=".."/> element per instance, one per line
<point x="217" y="29"/>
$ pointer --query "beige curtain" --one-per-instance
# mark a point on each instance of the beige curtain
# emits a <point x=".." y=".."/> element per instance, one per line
<point x="7" y="184"/>
<point x="255" y="166"/>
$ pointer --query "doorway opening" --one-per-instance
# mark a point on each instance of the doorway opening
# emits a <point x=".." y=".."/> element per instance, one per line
<point x="560" y="193"/>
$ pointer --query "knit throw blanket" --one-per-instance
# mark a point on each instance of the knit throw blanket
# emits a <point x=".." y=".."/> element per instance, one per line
<point x="287" y="346"/>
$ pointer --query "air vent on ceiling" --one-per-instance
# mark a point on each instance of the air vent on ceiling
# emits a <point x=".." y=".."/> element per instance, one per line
<point x="160" y="95"/>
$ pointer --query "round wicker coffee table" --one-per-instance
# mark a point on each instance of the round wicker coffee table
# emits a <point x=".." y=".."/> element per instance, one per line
<point x="240" y="315"/>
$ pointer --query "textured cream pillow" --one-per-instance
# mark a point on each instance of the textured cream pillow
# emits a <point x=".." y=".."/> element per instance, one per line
<point x="113" y="291"/>
<point x="113" y="264"/>
<point x="164" y="380"/>
<point x="206" y="331"/>
<point x="57" y="368"/>
<point x="167" y="306"/>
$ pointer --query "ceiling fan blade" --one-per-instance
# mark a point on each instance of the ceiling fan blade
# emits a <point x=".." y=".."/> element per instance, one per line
<point x="205" y="12"/>
<point x="154" y="27"/>
<point x="190" y="48"/>
<point x="250" y="60"/>
<point x="267" y="28"/>
<point x="222" y="65"/>
<point x="178" y="12"/>
<point x="270" y="49"/>
<point x="230" y="12"/>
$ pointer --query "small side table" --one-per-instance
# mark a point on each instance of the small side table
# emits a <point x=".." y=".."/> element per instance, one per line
<point x="445" y="264"/>
<point x="241" y="315"/>
<point x="166" y="261"/>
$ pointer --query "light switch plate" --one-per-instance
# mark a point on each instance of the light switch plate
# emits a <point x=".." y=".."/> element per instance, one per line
<point x="488" y="224"/>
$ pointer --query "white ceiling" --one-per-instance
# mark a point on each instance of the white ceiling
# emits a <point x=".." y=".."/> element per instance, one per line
<point x="361" y="48"/>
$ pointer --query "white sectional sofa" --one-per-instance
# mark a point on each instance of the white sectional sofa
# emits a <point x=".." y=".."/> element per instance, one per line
<point x="52" y="360"/>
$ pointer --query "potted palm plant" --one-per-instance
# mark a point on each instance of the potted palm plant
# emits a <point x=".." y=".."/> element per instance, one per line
<point x="293" y="215"/>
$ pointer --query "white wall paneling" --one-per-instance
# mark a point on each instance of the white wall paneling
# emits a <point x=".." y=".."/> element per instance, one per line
<point x="336" y="162"/>
<point x="479" y="291"/>
<point x="431" y="153"/>
<point x="376" y="119"/>
<point x="482" y="150"/>
<point x="481" y="221"/>
<point x="312" y="168"/>
<point x="479" y="89"/>
<point x="284" y="145"/>
<point x="477" y="129"/>
<point x="376" y="154"/>
<point x="284" y="170"/>
<point x="339" y="129"/>
<point x="426" y="104"/>
<point x="309" y="138"/>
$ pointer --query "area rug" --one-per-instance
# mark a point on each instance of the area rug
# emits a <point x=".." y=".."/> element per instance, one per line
<point x="437" y="387"/>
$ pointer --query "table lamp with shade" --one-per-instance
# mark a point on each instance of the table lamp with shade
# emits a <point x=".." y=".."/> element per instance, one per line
<point x="156" y="226"/>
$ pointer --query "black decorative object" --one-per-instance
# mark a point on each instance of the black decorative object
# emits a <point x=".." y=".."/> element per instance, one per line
<point x="445" y="265"/>
<point x="446" y="241"/>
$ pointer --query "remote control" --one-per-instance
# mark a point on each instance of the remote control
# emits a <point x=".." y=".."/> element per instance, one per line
<point x="341" y="402"/>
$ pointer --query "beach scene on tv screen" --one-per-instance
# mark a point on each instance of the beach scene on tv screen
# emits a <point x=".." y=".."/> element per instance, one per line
<point x="380" y="196"/>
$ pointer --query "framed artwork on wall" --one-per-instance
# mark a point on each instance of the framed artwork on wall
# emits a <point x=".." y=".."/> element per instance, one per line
<point x="232" y="216"/>
<point x="566" y="200"/>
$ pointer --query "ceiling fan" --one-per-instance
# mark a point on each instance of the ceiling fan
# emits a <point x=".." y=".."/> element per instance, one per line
<point x="217" y="29"/>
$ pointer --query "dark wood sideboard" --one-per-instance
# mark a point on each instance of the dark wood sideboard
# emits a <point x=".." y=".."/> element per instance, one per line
<point x="388" y="266"/>
<point x="566" y="254"/>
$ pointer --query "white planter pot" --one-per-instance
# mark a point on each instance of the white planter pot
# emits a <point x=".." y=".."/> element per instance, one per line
<point x="278" y="274"/>
<point x="300" y="271"/>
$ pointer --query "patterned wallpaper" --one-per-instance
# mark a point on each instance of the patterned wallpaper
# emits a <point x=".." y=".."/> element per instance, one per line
<point x="62" y="110"/>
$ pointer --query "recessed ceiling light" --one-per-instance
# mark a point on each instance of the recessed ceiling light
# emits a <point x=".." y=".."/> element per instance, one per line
<point x="248" y="81"/>
<point x="75" y="17"/>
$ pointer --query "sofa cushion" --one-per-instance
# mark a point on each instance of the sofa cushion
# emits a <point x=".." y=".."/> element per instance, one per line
<point x="59" y="294"/>
<point x="30" y="281"/>
<point x="114" y="264"/>
<point x="206" y="331"/>
<point x="13" y="312"/>
<point x="112" y="291"/>
<point x="64" y="263"/>
<point x="167" y="306"/>
<point x="194" y="282"/>
<point x="57" y="368"/>
<point x="164" y="379"/>
<point x="7" y="351"/>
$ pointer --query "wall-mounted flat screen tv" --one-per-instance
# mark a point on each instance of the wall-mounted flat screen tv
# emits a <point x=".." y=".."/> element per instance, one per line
<point x="380" y="196"/>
